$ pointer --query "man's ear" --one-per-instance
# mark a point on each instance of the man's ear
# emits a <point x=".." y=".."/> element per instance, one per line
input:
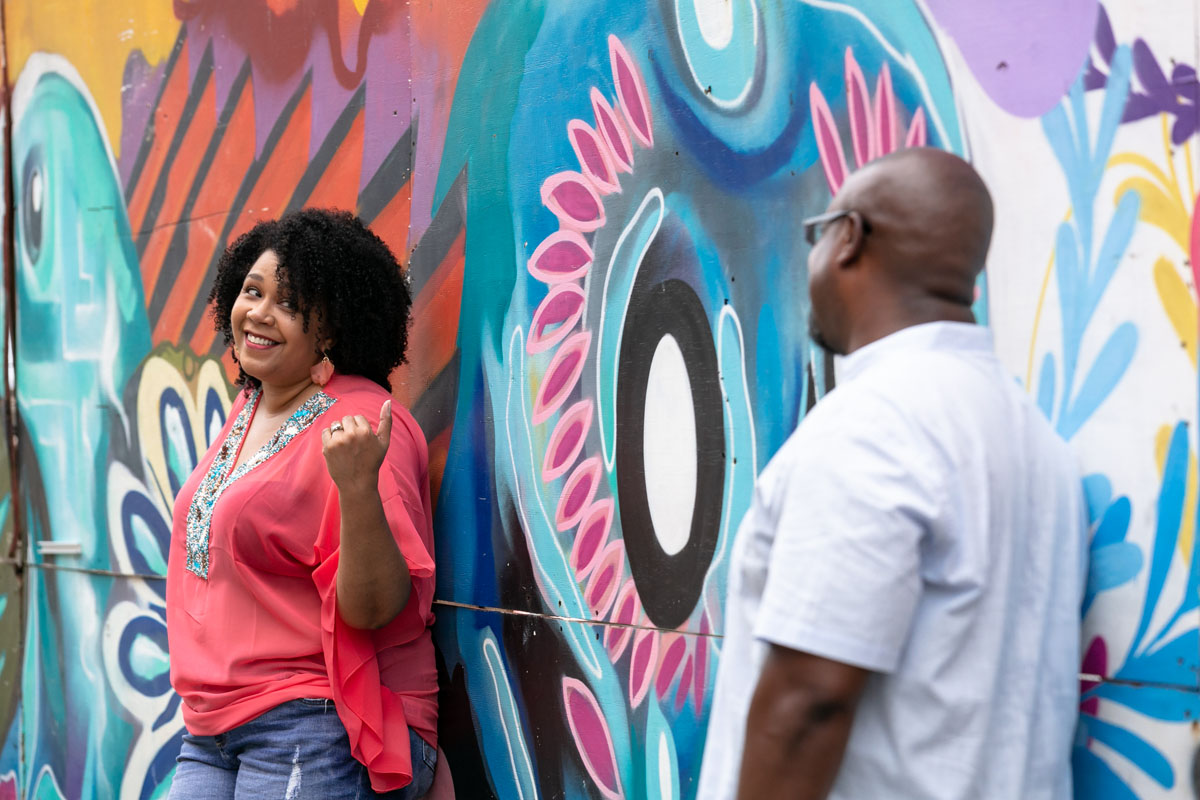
<point x="851" y="240"/>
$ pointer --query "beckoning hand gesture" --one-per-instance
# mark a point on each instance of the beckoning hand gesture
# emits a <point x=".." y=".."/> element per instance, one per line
<point x="353" y="452"/>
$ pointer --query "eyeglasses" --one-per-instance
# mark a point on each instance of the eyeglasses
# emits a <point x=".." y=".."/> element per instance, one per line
<point x="814" y="227"/>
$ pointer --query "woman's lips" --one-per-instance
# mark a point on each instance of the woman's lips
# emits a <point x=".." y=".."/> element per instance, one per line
<point x="259" y="342"/>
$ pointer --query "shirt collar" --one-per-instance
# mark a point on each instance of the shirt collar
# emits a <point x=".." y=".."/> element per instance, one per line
<point x="952" y="336"/>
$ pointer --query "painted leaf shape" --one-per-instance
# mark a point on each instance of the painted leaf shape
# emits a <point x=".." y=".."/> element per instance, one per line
<point x="572" y="198"/>
<point x="885" y="111"/>
<point x="916" y="130"/>
<point x="613" y="131"/>
<point x="594" y="157"/>
<point x="829" y="145"/>
<point x="593" y="739"/>
<point x="631" y="90"/>
<point x="673" y="650"/>
<point x="562" y="256"/>
<point x="626" y="610"/>
<point x="566" y="440"/>
<point x="641" y="665"/>
<point x="606" y="579"/>
<point x="561" y="376"/>
<point x="590" y="537"/>
<point x="578" y="493"/>
<point x="555" y="316"/>
<point x="858" y="102"/>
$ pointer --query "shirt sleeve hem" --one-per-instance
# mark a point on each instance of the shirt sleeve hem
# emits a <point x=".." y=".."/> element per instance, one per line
<point x="835" y="647"/>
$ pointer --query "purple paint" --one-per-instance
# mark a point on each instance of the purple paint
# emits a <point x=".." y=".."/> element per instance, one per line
<point x="1024" y="53"/>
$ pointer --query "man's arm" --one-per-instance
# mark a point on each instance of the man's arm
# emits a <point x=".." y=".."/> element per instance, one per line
<point x="798" y="725"/>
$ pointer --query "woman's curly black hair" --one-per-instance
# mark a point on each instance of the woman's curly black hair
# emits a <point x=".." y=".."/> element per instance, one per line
<point x="340" y="276"/>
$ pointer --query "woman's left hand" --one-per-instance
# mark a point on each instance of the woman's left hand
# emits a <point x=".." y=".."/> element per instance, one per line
<point x="354" y="453"/>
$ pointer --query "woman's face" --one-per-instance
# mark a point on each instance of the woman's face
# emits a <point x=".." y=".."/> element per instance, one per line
<point x="268" y="333"/>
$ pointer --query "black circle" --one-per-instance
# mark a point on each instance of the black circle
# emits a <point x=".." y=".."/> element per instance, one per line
<point x="668" y="585"/>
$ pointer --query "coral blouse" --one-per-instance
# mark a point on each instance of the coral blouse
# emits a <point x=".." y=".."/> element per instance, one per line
<point x="252" y="618"/>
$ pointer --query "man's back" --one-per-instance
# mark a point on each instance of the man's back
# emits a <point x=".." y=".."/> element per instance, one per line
<point x="925" y="524"/>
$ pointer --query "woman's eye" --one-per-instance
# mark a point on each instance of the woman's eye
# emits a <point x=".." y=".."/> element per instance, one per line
<point x="250" y="290"/>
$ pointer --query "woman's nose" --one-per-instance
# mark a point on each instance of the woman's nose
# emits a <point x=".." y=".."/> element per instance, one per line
<point x="258" y="312"/>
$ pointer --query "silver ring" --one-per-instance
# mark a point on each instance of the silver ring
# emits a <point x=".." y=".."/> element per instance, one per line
<point x="335" y="427"/>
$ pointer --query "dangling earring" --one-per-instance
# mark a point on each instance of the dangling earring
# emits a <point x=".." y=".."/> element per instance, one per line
<point x="322" y="371"/>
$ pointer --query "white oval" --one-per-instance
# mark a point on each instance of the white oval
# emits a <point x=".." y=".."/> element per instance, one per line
<point x="669" y="447"/>
<point x="715" y="20"/>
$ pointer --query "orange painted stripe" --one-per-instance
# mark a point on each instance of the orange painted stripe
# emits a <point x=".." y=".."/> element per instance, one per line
<point x="439" y="450"/>
<point x="391" y="224"/>
<point x="203" y="237"/>
<point x="285" y="164"/>
<point x="166" y="118"/>
<point x="338" y="185"/>
<point x="434" y="330"/>
<point x="179" y="183"/>
<point x="233" y="159"/>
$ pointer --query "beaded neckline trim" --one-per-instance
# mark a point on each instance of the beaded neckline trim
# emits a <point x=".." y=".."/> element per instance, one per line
<point x="218" y="478"/>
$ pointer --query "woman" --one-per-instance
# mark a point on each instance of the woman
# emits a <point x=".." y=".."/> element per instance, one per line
<point x="301" y="568"/>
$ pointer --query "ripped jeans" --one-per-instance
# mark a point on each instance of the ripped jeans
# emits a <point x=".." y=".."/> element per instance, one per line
<point x="296" y="751"/>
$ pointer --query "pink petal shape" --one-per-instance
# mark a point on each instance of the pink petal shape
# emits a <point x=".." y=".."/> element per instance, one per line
<point x="566" y="440"/>
<point x="885" y="112"/>
<point x="577" y="493"/>
<point x="916" y="130"/>
<point x="700" y="674"/>
<point x="572" y="198"/>
<point x="562" y="256"/>
<point x="829" y="143"/>
<point x="641" y="665"/>
<point x="606" y="579"/>
<point x="613" y="132"/>
<point x="631" y="90"/>
<point x="561" y="376"/>
<point x="593" y="739"/>
<point x="559" y="311"/>
<point x="671" y="655"/>
<point x="594" y="157"/>
<point x="862" y="129"/>
<point x="626" y="609"/>
<point x="1195" y="246"/>
<point x="685" y="683"/>
<point x="590" y="537"/>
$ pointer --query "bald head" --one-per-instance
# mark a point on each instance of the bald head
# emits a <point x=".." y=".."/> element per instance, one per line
<point x="908" y="250"/>
<point x="930" y="217"/>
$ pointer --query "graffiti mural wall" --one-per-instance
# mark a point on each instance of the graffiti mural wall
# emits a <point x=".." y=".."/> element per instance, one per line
<point x="598" y="204"/>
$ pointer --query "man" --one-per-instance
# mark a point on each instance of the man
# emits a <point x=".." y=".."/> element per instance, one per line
<point x="903" y="611"/>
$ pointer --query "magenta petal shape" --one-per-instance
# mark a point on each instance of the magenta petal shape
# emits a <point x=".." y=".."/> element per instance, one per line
<point x="593" y="739"/>
<point x="555" y="316"/>
<point x="590" y="537"/>
<point x="885" y="112"/>
<point x="613" y="131"/>
<point x="685" y="683"/>
<point x="606" y="579"/>
<point x="577" y="493"/>
<point x="641" y="665"/>
<point x="625" y="612"/>
<point x="631" y="91"/>
<point x="561" y="376"/>
<point x="572" y="198"/>
<point x="594" y="157"/>
<point x="916" y="130"/>
<point x="858" y="101"/>
<point x="562" y="256"/>
<point x="829" y="143"/>
<point x="567" y="440"/>
<point x="672" y="653"/>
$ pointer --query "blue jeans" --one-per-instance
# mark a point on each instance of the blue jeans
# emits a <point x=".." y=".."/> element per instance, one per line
<point x="296" y="751"/>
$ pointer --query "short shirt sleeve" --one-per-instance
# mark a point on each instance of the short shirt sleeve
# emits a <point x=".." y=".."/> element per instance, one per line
<point x="853" y="505"/>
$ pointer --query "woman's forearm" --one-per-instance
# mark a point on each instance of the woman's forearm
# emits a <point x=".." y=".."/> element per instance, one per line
<point x="373" y="583"/>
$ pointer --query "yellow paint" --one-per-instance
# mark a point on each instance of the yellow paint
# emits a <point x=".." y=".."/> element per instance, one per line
<point x="96" y="36"/>
<point x="1187" y="527"/>
<point x="1178" y="303"/>
<point x="361" y="6"/>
